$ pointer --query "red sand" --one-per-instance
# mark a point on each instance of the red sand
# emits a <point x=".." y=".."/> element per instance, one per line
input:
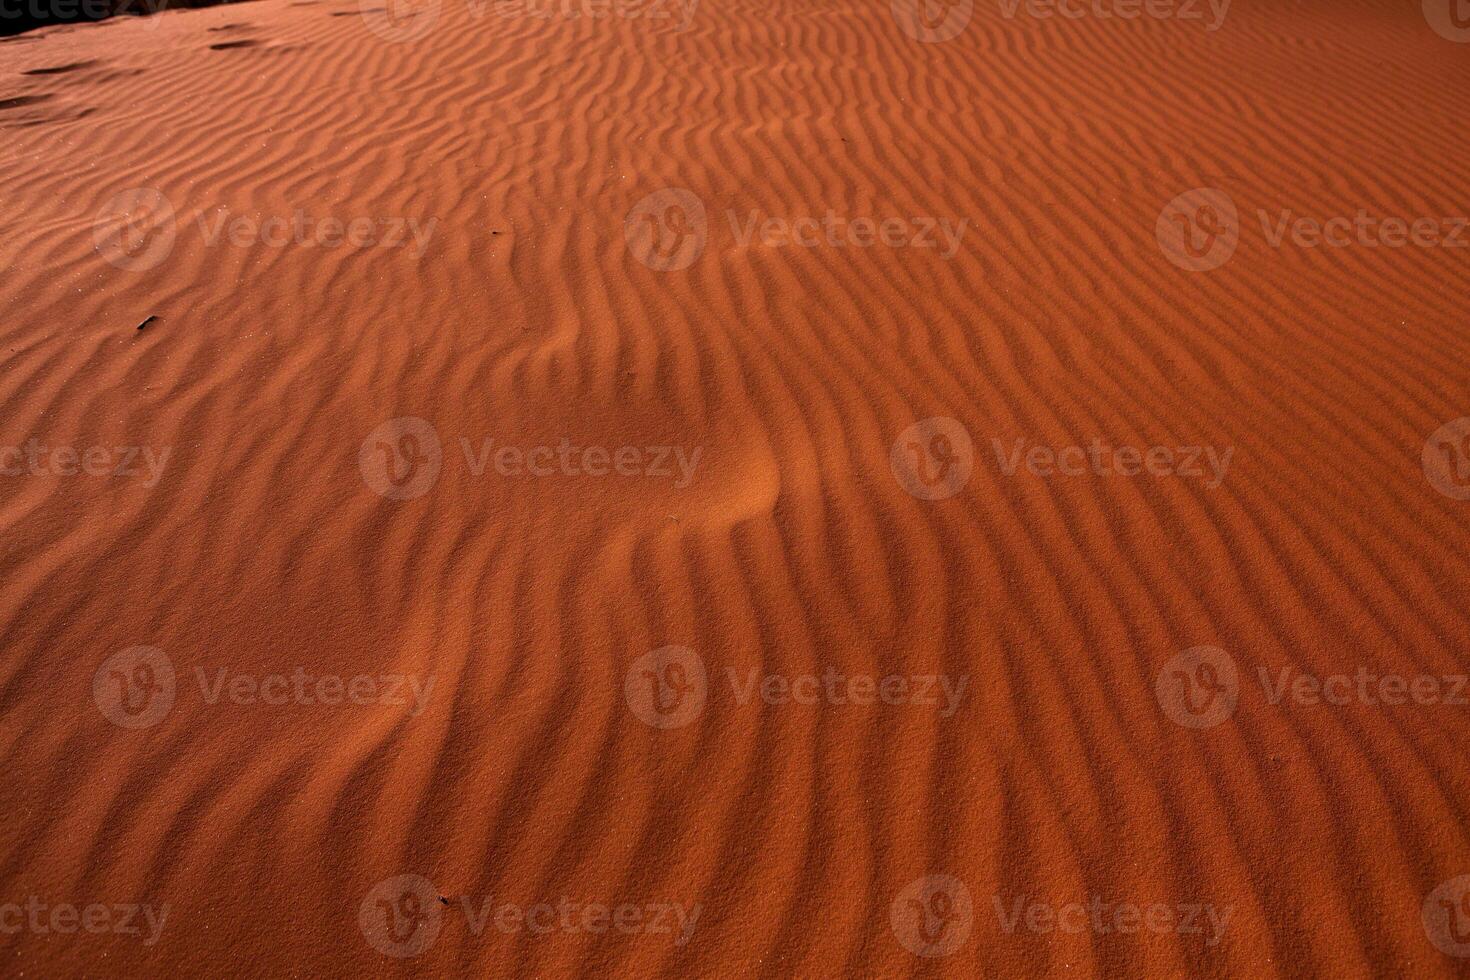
<point x="582" y="189"/>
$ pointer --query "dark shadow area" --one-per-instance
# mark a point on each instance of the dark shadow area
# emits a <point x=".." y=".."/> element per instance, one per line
<point x="18" y="16"/>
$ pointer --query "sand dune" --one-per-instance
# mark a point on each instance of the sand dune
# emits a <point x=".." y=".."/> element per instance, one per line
<point x="536" y="401"/>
